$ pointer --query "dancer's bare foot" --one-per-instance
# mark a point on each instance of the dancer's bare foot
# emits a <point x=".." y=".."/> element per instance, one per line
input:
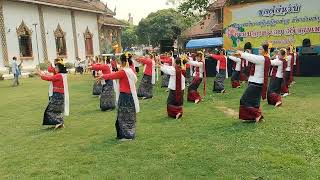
<point x="278" y="104"/>
<point x="223" y="91"/>
<point x="58" y="126"/>
<point x="258" y="119"/>
<point x="285" y="94"/>
<point x="178" y="116"/>
<point x="197" y="101"/>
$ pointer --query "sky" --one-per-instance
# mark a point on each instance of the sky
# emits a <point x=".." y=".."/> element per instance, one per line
<point x="138" y="8"/>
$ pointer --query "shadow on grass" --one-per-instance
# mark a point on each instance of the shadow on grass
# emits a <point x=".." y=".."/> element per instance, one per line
<point x="44" y="130"/>
<point x="245" y="126"/>
<point x="108" y="144"/>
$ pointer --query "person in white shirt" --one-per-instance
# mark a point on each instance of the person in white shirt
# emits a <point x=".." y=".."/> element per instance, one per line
<point x="189" y="70"/>
<point x="250" y="110"/>
<point x="289" y="71"/>
<point x="245" y="65"/>
<point x="176" y="87"/>
<point x="167" y="60"/>
<point x="136" y="64"/>
<point x="199" y="64"/>
<point x="15" y="68"/>
<point x="277" y="81"/>
<point x="235" y="78"/>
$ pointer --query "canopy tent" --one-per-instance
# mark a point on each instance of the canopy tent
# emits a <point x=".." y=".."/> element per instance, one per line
<point x="204" y="43"/>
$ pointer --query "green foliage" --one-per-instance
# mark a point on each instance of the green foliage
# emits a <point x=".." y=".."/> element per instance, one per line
<point x="200" y="7"/>
<point x="129" y="37"/>
<point x="69" y="65"/>
<point x="43" y="66"/>
<point x="235" y="2"/>
<point x="209" y="142"/>
<point x="9" y="67"/>
<point x="193" y="7"/>
<point x="163" y="24"/>
<point x="33" y="74"/>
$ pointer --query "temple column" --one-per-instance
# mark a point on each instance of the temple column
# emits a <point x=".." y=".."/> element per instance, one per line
<point x="3" y="37"/>
<point x="119" y="39"/>
<point x="75" y="37"/>
<point x="100" y="35"/>
<point x="43" y="35"/>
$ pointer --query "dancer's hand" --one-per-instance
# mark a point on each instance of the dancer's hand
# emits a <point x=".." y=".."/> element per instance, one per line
<point x="99" y="78"/>
<point x="39" y="72"/>
<point x="237" y="54"/>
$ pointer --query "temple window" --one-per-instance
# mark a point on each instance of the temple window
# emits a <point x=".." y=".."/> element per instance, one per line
<point x="60" y="38"/>
<point x="88" y="43"/>
<point x="25" y="41"/>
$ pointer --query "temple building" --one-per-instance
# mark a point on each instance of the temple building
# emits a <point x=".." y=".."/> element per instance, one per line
<point x="38" y="31"/>
<point x="211" y="26"/>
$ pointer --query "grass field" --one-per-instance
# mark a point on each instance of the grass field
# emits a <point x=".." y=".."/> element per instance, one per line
<point x="209" y="142"/>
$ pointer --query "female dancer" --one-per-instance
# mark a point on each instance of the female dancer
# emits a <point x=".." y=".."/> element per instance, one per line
<point x="176" y="86"/>
<point x="199" y="74"/>
<point x="258" y="82"/>
<point x="107" y="100"/>
<point x="167" y="61"/>
<point x="222" y="71"/>
<point x="145" y="90"/>
<point x="59" y="101"/>
<point x="235" y="78"/>
<point x="278" y="79"/>
<point x="127" y="100"/>
<point x="289" y="72"/>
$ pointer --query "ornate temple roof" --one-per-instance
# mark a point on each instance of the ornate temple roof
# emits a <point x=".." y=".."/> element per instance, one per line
<point x="205" y="28"/>
<point x="217" y="4"/>
<point x="95" y="6"/>
<point x="110" y="21"/>
<point x="208" y="26"/>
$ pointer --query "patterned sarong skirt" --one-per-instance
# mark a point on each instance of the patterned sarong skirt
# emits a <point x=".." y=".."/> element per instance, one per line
<point x="53" y="114"/>
<point x="126" y="117"/>
<point x="107" y="99"/>
<point x="146" y="87"/>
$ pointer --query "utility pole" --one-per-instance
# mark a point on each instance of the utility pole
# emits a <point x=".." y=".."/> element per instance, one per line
<point x="35" y="27"/>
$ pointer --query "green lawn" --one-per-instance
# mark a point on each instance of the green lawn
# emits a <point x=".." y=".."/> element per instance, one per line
<point x="209" y="142"/>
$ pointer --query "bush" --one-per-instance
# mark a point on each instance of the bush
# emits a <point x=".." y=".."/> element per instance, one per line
<point x="43" y="66"/>
<point x="9" y="68"/>
<point x="33" y="74"/>
<point x="69" y="65"/>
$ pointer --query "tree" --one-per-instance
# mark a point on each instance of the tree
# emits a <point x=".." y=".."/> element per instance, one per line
<point x="192" y="7"/>
<point x="163" y="24"/>
<point x="129" y="37"/>
<point x="199" y="7"/>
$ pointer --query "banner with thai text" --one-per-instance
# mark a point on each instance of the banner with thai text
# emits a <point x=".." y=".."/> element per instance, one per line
<point x="282" y="22"/>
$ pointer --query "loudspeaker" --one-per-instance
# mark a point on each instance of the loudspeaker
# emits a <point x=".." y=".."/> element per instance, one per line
<point x="306" y="43"/>
<point x="308" y="51"/>
<point x="166" y="46"/>
<point x="164" y="49"/>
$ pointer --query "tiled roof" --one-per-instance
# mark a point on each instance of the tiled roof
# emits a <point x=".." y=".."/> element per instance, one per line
<point x="217" y="4"/>
<point x="85" y="5"/>
<point x="110" y="21"/>
<point x="206" y="27"/>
